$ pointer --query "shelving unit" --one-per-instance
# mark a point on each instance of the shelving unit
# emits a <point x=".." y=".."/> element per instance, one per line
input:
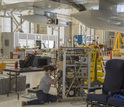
<point x="76" y="69"/>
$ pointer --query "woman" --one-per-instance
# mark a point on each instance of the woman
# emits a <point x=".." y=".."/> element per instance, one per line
<point x="42" y="94"/>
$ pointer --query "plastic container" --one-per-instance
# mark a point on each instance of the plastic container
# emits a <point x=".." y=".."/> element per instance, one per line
<point x="16" y="64"/>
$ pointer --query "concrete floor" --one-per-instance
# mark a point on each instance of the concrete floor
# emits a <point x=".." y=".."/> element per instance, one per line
<point x="33" y="79"/>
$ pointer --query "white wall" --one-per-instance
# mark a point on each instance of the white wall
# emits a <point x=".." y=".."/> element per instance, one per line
<point x="6" y="25"/>
<point x="10" y="48"/>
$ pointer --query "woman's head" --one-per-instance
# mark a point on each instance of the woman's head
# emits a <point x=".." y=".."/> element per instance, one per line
<point x="49" y="69"/>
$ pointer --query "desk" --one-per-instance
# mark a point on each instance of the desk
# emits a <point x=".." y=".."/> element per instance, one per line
<point x="17" y="72"/>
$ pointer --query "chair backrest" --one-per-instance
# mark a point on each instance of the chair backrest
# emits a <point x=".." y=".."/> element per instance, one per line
<point x="114" y="75"/>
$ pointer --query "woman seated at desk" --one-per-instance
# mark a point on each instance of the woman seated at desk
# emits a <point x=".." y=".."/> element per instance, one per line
<point x="42" y="94"/>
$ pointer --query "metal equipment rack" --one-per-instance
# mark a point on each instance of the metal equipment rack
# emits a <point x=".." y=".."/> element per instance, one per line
<point x="76" y="70"/>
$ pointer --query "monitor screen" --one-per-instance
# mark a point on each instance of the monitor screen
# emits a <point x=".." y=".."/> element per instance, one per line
<point x="42" y="62"/>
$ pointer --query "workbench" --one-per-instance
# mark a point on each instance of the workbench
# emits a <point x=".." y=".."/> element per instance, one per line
<point x="14" y="72"/>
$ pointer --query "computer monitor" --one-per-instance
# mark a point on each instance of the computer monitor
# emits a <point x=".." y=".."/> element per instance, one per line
<point x="39" y="61"/>
<point x="42" y="62"/>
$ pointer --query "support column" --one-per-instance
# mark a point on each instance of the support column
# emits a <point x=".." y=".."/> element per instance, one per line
<point x="17" y="23"/>
<point x="58" y="37"/>
<point x="38" y="28"/>
<point x="69" y="35"/>
<point x="11" y="24"/>
<point x="64" y="74"/>
<point x="89" y="69"/>
<point x="29" y="27"/>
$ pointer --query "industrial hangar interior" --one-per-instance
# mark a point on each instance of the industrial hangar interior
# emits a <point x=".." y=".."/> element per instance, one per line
<point x="56" y="53"/>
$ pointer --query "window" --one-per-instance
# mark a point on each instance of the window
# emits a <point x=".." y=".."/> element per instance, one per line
<point x="22" y="43"/>
<point x="44" y="44"/>
<point x="6" y="42"/>
<point x="120" y="8"/>
<point x="51" y="44"/>
<point x="30" y="43"/>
